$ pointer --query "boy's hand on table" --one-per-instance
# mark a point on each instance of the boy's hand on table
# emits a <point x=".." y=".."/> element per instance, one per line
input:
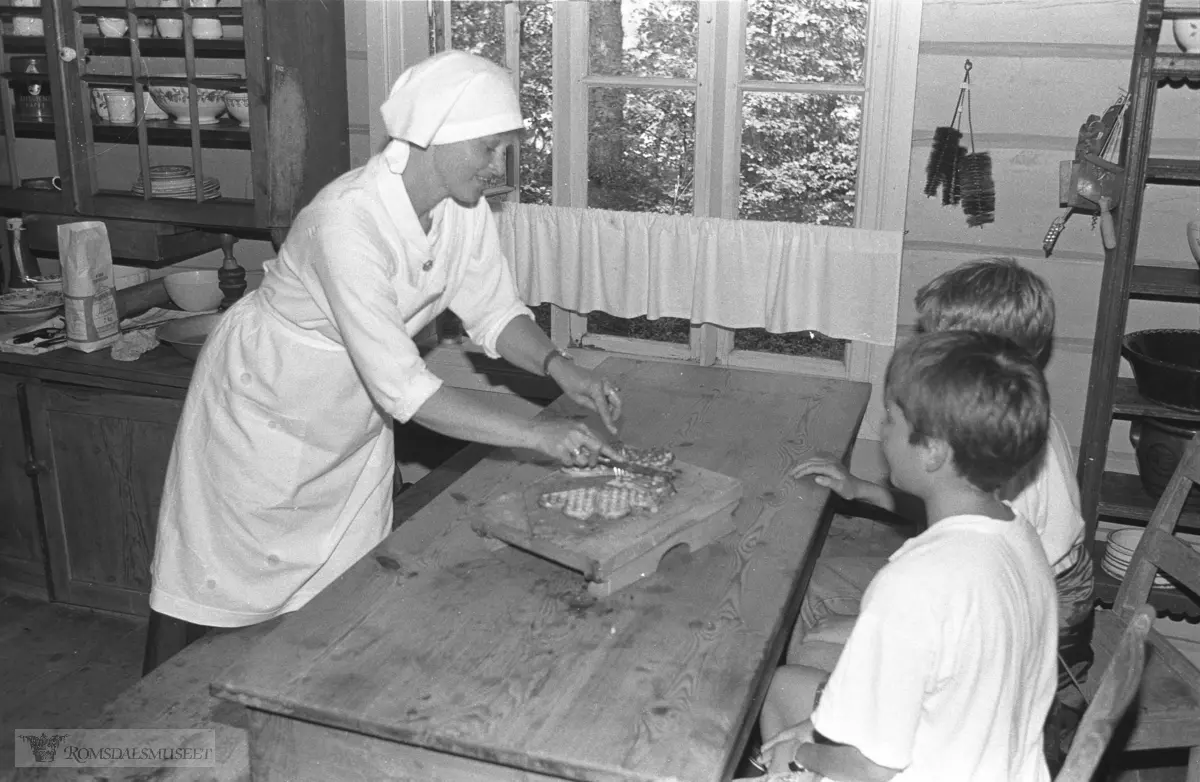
<point x="834" y="476"/>
<point x="830" y="474"/>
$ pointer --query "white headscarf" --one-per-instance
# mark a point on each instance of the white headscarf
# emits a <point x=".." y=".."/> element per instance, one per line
<point x="452" y="96"/>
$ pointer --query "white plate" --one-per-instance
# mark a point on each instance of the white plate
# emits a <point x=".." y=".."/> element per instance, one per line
<point x="1126" y="539"/>
<point x="30" y="301"/>
<point x="1119" y="573"/>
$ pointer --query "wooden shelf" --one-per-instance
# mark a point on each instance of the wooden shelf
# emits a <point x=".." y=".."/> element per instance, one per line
<point x="224" y="48"/>
<point x="1175" y="67"/>
<point x="24" y="44"/>
<point x="1172" y="602"/>
<point x="1165" y="282"/>
<point x="1173" y="171"/>
<point x="1123" y="499"/>
<point x="226" y="134"/>
<point x="1128" y="403"/>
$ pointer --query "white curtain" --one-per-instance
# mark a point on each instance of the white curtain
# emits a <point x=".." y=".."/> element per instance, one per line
<point x="782" y="277"/>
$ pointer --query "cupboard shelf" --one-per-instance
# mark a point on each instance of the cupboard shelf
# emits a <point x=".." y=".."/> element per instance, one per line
<point x="1128" y="403"/>
<point x="226" y="134"/>
<point x="1124" y="499"/>
<point x="1165" y="282"/>
<point x="225" y="48"/>
<point x="288" y="56"/>
<point x="1172" y="171"/>
<point x="24" y="44"/>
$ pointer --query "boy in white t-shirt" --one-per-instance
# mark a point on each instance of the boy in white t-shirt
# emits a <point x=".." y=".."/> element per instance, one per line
<point x="949" y="670"/>
<point x="996" y="296"/>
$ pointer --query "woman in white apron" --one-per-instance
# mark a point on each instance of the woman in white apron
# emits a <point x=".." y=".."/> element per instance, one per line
<point x="281" y="473"/>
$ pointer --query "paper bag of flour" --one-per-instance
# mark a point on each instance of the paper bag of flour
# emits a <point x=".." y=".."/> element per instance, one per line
<point x="88" y="291"/>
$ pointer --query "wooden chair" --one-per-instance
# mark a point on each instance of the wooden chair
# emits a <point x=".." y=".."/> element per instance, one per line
<point x="1168" y="710"/>
<point x="1112" y="697"/>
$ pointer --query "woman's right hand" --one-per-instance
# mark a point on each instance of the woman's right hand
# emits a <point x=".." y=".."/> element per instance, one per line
<point x="572" y="443"/>
<point x="831" y="474"/>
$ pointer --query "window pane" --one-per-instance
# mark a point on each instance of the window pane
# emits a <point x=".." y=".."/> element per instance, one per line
<point x="640" y="149"/>
<point x="662" y="330"/>
<point x="812" y="344"/>
<point x="643" y="37"/>
<point x="799" y="157"/>
<point x="536" y="23"/>
<point x="806" y="40"/>
<point x="477" y="26"/>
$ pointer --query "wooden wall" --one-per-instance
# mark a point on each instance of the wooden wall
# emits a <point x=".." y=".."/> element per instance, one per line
<point x="1040" y="67"/>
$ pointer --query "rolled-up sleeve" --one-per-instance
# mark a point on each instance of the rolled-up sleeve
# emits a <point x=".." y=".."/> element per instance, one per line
<point x="487" y="299"/>
<point x="355" y="270"/>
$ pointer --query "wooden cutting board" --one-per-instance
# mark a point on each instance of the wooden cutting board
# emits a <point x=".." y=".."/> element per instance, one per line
<point x="613" y="553"/>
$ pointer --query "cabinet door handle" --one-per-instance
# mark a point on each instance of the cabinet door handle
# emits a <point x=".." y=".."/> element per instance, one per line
<point x="32" y="465"/>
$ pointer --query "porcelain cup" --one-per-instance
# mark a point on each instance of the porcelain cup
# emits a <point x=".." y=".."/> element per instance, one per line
<point x="207" y="29"/>
<point x="112" y="26"/>
<point x="122" y="108"/>
<point x="27" y="25"/>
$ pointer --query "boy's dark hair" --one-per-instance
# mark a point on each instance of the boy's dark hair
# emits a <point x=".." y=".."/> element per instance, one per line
<point x="980" y="393"/>
<point x="993" y="295"/>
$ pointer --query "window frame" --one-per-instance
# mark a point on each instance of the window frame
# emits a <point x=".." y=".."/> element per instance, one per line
<point x="885" y="143"/>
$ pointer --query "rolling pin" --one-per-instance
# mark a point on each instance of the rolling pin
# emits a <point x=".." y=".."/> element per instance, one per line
<point x="136" y="299"/>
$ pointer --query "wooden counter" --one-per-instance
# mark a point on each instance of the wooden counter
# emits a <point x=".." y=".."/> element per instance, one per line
<point x="443" y="656"/>
<point x="84" y="444"/>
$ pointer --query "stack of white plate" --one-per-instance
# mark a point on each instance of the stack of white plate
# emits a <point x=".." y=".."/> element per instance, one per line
<point x="1119" y="552"/>
<point x="177" y="182"/>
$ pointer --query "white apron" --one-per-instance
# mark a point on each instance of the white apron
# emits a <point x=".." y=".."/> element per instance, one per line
<point x="269" y="541"/>
<point x="281" y="474"/>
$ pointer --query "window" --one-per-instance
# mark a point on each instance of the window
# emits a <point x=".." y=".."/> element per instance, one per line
<point x="754" y="109"/>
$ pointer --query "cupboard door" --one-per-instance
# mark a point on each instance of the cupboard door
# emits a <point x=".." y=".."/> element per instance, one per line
<point x="22" y="555"/>
<point x="107" y="454"/>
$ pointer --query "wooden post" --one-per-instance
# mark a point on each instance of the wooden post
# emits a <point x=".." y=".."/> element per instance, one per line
<point x="231" y="277"/>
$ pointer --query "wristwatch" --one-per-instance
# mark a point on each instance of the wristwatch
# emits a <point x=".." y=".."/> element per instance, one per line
<point x="565" y="356"/>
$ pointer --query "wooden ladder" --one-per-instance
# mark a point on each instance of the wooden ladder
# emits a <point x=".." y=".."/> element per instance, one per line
<point x="1106" y="494"/>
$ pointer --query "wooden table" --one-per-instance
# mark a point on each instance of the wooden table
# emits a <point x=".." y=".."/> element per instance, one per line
<point x="443" y="656"/>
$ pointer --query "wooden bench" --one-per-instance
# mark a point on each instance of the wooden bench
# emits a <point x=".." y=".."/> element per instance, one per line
<point x="176" y="694"/>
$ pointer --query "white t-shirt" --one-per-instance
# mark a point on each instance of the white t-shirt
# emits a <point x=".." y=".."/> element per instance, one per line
<point x="950" y="670"/>
<point x="1051" y="501"/>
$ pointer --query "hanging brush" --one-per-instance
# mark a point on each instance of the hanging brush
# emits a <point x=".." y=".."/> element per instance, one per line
<point x="975" y="173"/>
<point x="945" y="157"/>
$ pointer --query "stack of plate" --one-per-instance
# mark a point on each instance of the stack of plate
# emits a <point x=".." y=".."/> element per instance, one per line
<point x="177" y="182"/>
<point x="1119" y="552"/>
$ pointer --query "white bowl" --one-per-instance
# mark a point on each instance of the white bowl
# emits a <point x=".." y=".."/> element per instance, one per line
<point x="187" y="335"/>
<point x="173" y="99"/>
<point x="238" y="104"/>
<point x="48" y="282"/>
<point x="195" y="290"/>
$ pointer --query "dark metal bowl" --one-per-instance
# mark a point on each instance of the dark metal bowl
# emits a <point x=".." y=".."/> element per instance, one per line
<point x="1166" y="365"/>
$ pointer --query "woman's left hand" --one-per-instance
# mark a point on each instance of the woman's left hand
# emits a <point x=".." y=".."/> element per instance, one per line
<point x="778" y="751"/>
<point x="591" y="390"/>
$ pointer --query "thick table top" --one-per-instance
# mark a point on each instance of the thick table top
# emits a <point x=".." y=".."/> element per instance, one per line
<point x="447" y="641"/>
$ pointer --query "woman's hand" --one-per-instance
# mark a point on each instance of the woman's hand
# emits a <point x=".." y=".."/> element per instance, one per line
<point x="572" y="443"/>
<point x="590" y="389"/>
<point x="780" y="749"/>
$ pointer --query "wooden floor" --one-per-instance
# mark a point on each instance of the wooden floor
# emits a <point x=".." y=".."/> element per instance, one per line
<point x="60" y="665"/>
